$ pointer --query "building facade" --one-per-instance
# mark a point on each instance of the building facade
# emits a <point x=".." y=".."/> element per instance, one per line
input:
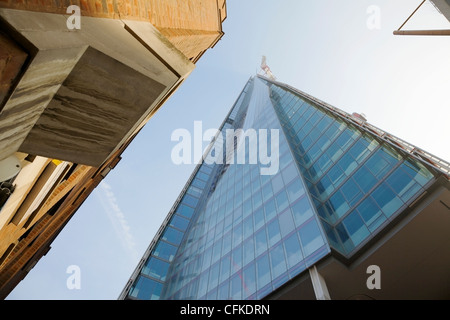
<point x="345" y="197"/>
<point x="78" y="81"/>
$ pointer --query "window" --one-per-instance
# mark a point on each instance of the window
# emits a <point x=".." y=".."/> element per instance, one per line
<point x="365" y="179"/>
<point x="293" y="252"/>
<point x="249" y="279"/>
<point x="278" y="261"/>
<point x="225" y="268"/>
<point x="236" y="259"/>
<point x="295" y="190"/>
<point x="282" y="201"/>
<point x="249" y="251"/>
<point x="356" y="228"/>
<point x="286" y="223"/>
<point x="156" y="269"/>
<point x="259" y="218"/>
<point x="270" y="210"/>
<point x="273" y="231"/>
<point x="263" y="271"/>
<point x="236" y="287"/>
<point x="185" y="211"/>
<point x="339" y="205"/>
<point x="165" y="251"/>
<point x="404" y="185"/>
<point x="213" y="276"/>
<point x="179" y="222"/>
<point x="146" y="289"/>
<point x="173" y="236"/>
<point x="371" y="214"/>
<point x="248" y="227"/>
<point x="302" y="211"/>
<point x="261" y="242"/>
<point x="386" y="199"/>
<point x="351" y="192"/>
<point x="311" y="237"/>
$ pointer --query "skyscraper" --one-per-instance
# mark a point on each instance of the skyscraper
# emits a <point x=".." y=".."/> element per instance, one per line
<point x="348" y="211"/>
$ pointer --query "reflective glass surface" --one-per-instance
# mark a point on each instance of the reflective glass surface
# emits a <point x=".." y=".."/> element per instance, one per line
<point x="358" y="183"/>
<point x="239" y="234"/>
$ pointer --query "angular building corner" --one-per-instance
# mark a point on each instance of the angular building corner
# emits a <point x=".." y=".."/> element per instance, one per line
<point x="350" y="201"/>
<point x="72" y="98"/>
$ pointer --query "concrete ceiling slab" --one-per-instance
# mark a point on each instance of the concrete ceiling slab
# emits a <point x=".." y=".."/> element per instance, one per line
<point x="96" y="106"/>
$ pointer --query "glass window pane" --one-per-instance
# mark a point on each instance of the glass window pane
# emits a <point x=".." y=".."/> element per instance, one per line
<point x="179" y="222"/>
<point x="259" y="218"/>
<point x="226" y="246"/>
<point x="236" y="287"/>
<point x="345" y="239"/>
<point x="282" y="201"/>
<point x="263" y="271"/>
<point x="237" y="235"/>
<point x="165" y="251"/>
<point x="293" y="252"/>
<point x="278" y="261"/>
<point x="249" y="280"/>
<point x="147" y="289"/>
<point x="378" y="164"/>
<point x="273" y="231"/>
<point x="295" y="190"/>
<point x="311" y="237"/>
<point x="261" y="242"/>
<point x="338" y="203"/>
<point x="369" y="211"/>
<point x="248" y="227"/>
<point x="249" y="250"/>
<point x="290" y="172"/>
<point x="286" y="223"/>
<point x="225" y="265"/>
<point x="267" y="191"/>
<point x="156" y="268"/>
<point x="302" y="211"/>
<point x="418" y="171"/>
<point x="351" y="192"/>
<point x="277" y="183"/>
<point x="213" y="277"/>
<point x="365" y="179"/>
<point x="356" y="228"/>
<point x="236" y="259"/>
<point x="222" y="294"/>
<point x="185" y="211"/>
<point x="173" y="236"/>
<point x="270" y="210"/>
<point x="386" y="199"/>
<point x="207" y="259"/>
<point x="401" y="182"/>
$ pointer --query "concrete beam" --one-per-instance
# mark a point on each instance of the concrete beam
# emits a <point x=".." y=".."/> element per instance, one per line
<point x="319" y="285"/>
<point x="86" y="91"/>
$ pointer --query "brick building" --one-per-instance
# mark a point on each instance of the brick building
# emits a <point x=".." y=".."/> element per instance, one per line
<point x="72" y="100"/>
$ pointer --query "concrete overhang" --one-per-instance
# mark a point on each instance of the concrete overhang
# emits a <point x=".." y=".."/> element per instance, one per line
<point x="84" y="92"/>
<point x="414" y="259"/>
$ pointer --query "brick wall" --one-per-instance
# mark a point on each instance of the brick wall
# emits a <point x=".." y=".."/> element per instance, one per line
<point x="174" y="15"/>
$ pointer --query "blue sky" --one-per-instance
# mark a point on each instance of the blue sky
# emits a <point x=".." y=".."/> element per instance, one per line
<point x="322" y="47"/>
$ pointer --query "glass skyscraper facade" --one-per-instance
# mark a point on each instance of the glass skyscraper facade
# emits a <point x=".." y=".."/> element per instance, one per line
<point x="235" y="233"/>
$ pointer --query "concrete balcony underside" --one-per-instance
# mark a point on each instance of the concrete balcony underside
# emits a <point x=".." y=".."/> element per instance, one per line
<point x="85" y="92"/>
